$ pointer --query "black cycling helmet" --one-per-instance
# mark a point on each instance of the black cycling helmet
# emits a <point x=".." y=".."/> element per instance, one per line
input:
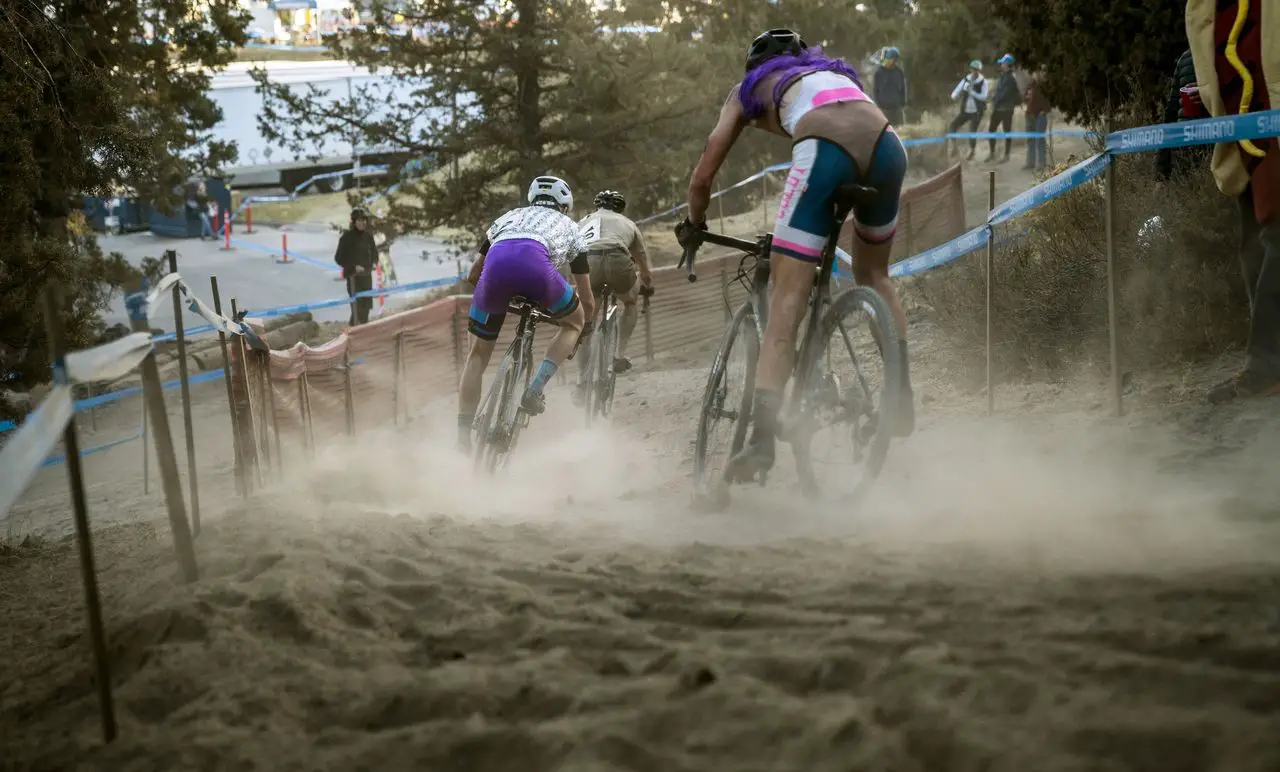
<point x="611" y="200"/>
<point x="774" y="42"/>
<point x="358" y="213"/>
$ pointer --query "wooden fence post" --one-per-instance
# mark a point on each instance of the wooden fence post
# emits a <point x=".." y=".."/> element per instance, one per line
<point x="88" y="572"/>
<point x="193" y="479"/>
<point x="166" y="459"/>
<point x="242" y="484"/>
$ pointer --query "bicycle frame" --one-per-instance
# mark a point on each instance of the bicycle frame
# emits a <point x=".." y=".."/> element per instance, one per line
<point x="495" y="430"/>
<point x="758" y="296"/>
<point x="511" y="380"/>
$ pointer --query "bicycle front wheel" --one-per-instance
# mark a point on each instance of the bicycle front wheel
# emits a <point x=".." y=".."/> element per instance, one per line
<point x="726" y="407"/>
<point x="841" y="436"/>
<point x="590" y="387"/>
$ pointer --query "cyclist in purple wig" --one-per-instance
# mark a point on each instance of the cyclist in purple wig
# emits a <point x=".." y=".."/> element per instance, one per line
<point x="839" y="137"/>
<point x="790" y="67"/>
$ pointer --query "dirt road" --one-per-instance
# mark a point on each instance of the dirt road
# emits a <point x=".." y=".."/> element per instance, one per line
<point x="1047" y="590"/>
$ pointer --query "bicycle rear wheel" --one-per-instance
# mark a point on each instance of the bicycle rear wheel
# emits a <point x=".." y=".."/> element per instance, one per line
<point x="520" y="378"/>
<point x="495" y="422"/>
<point x="605" y="375"/>
<point x="843" y="425"/>
<point x="726" y="405"/>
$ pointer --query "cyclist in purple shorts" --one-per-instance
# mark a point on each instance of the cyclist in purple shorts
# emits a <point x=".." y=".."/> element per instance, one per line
<point x="521" y="256"/>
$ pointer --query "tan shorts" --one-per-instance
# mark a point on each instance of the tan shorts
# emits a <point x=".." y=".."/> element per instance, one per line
<point x="613" y="268"/>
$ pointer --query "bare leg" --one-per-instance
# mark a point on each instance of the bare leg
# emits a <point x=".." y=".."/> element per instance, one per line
<point x="469" y="387"/>
<point x="871" y="269"/>
<point x="566" y="336"/>
<point x="792" y="280"/>
<point x="533" y="401"/>
<point x="583" y="364"/>
<point x="630" y="315"/>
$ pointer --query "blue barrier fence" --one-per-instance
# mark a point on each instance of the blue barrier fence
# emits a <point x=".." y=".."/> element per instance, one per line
<point x="1143" y="139"/>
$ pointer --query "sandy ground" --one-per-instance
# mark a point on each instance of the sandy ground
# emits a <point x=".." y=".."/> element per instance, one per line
<point x="1048" y="589"/>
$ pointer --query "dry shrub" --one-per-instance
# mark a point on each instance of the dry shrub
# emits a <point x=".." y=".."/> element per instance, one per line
<point x="1179" y="292"/>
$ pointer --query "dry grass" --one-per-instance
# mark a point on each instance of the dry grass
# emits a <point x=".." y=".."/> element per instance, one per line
<point x="1180" y="297"/>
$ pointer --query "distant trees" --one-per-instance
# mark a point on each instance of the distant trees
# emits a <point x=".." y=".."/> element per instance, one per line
<point x="502" y="94"/>
<point x="1098" y="53"/>
<point x="93" y="103"/>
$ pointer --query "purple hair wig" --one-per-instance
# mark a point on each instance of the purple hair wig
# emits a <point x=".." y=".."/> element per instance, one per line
<point x="808" y="60"/>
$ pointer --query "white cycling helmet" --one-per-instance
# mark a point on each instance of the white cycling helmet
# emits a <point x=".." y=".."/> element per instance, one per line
<point x="551" y="189"/>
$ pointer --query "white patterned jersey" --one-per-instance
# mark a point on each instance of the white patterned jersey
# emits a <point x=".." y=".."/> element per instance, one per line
<point x="547" y="226"/>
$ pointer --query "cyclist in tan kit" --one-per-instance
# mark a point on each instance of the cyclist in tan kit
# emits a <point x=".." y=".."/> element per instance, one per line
<point x="616" y="255"/>
<point x="839" y="137"/>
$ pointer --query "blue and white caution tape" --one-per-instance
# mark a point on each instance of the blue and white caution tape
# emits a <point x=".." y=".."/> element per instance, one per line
<point x="27" y="449"/>
<point x="943" y="253"/>
<point x="1049" y="189"/>
<point x="1202" y="131"/>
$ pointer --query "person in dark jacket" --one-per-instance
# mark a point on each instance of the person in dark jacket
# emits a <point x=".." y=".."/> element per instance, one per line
<point x="1006" y="99"/>
<point x="1037" y="123"/>
<point x="358" y="254"/>
<point x="1184" y="74"/>
<point x="889" y="87"/>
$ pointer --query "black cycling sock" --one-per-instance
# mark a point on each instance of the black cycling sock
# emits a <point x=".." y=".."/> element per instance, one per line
<point x="764" y="411"/>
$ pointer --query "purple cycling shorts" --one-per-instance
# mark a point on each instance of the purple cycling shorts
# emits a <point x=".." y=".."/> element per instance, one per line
<point x="516" y="267"/>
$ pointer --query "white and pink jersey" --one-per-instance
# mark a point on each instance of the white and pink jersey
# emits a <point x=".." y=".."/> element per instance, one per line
<point x="813" y="90"/>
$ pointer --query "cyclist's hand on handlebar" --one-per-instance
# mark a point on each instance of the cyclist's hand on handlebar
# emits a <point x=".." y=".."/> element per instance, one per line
<point x="687" y="232"/>
<point x="646" y="290"/>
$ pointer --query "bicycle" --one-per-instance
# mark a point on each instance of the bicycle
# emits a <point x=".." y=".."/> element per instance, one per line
<point x="603" y="352"/>
<point x="500" y="419"/>
<point x="818" y="398"/>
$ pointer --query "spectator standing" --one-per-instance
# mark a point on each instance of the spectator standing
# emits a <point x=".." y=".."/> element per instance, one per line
<point x="1037" y="123"/>
<point x="889" y="87"/>
<point x="1184" y="76"/>
<point x="210" y="219"/>
<point x="1248" y="171"/>
<point x="358" y="254"/>
<point x="196" y="203"/>
<point x="1006" y="99"/>
<point x="972" y="94"/>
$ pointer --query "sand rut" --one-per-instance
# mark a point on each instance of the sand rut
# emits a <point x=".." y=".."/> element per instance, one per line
<point x="1005" y="602"/>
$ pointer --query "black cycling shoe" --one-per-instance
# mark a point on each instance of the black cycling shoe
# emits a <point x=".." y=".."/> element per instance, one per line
<point x="749" y="462"/>
<point x="906" y="423"/>
<point x="621" y="364"/>
<point x="533" y="402"/>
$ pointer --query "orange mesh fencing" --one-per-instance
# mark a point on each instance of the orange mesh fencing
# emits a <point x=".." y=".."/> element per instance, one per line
<point x="385" y="371"/>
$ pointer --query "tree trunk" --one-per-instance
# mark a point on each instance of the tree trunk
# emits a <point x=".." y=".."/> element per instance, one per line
<point x="528" y="88"/>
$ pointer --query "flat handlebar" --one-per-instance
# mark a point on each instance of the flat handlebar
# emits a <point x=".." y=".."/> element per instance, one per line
<point x="691" y="251"/>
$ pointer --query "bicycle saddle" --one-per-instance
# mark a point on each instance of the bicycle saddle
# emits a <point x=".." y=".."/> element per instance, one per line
<point x="848" y="196"/>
